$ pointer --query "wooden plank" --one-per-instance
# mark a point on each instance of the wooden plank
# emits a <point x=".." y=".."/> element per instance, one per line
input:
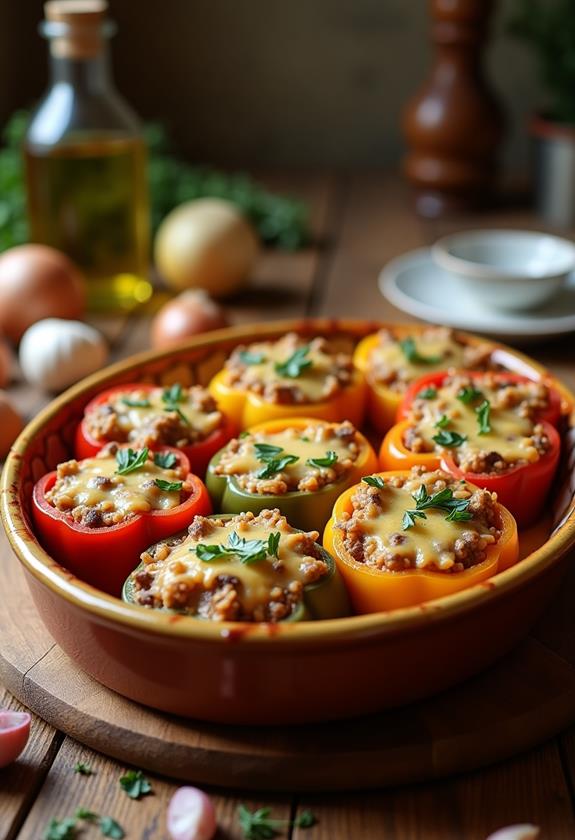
<point x="20" y="782"/>
<point x="64" y="791"/>
<point x="531" y="788"/>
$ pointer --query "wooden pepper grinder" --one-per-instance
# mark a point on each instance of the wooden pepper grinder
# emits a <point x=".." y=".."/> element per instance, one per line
<point x="454" y="125"/>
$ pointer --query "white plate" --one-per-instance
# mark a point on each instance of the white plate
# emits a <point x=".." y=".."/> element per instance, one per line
<point x="415" y="284"/>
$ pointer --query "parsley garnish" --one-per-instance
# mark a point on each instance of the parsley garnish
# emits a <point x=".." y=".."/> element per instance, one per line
<point x="411" y="353"/>
<point x="374" y="481"/>
<point x="468" y="394"/>
<point x="258" y="825"/>
<point x="443" y="422"/>
<point x="171" y="397"/>
<point x="265" y="451"/>
<point x="456" y="509"/>
<point x="83" y="769"/>
<point x="135" y="784"/>
<point x="168" y="486"/>
<point x="483" y="417"/>
<point x="449" y="439"/>
<point x="247" y="551"/>
<point x="328" y="461"/>
<point x="427" y="393"/>
<point x="166" y="460"/>
<point x="134" y="403"/>
<point x="61" y="829"/>
<point x="248" y="358"/>
<point x="129" y="461"/>
<point x="296" y="364"/>
<point x="110" y="828"/>
<point x="85" y="814"/>
<point x="276" y="465"/>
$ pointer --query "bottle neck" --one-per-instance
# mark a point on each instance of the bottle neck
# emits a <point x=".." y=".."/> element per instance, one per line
<point x="90" y="74"/>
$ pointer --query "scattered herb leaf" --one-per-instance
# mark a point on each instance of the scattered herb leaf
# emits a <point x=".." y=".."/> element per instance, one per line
<point x="83" y="769"/>
<point x="173" y="394"/>
<point x="168" y="486"/>
<point x="427" y="393"/>
<point x="61" y="829"/>
<point x="411" y="353"/>
<point x="449" y="439"/>
<point x="110" y="828"/>
<point x="135" y="784"/>
<point x="248" y="358"/>
<point x="276" y="465"/>
<point x="469" y="394"/>
<point x="134" y="403"/>
<point x="129" y="460"/>
<point x="443" y="422"/>
<point x="484" y="417"/>
<point x="258" y="825"/>
<point x="266" y="451"/>
<point x="328" y="461"/>
<point x="409" y="518"/>
<point x="374" y="481"/>
<point x="456" y="509"/>
<point x="247" y="551"/>
<point x="166" y="460"/>
<point x="85" y="814"/>
<point x="296" y="364"/>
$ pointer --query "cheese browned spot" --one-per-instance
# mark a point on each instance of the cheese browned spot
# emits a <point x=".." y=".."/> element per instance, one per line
<point x="514" y="438"/>
<point x="174" y="576"/>
<point x="242" y="459"/>
<point x="388" y="364"/>
<point x="155" y="422"/>
<point x="329" y="372"/>
<point x="374" y="532"/>
<point x="95" y="495"/>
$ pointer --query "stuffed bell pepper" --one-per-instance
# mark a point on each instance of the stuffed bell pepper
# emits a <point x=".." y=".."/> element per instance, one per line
<point x="97" y="515"/>
<point x="402" y="538"/>
<point x="300" y="465"/>
<point x="147" y="415"/>
<point x="496" y="430"/>
<point x="391" y="361"/>
<point x="290" y="377"/>
<point x="240" y="568"/>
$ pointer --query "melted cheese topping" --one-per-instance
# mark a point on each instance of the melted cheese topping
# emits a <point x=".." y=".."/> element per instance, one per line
<point x="388" y="361"/>
<point x="95" y="484"/>
<point x="429" y="542"/>
<point x="510" y="435"/>
<point x="301" y="443"/>
<point x="311" y="384"/>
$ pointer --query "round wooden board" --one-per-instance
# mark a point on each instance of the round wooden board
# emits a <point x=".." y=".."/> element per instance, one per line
<point x="524" y="699"/>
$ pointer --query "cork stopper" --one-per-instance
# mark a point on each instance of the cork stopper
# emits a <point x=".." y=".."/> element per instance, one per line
<point x="75" y="27"/>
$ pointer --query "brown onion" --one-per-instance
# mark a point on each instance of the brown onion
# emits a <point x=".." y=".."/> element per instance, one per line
<point x="190" y="313"/>
<point x="37" y="282"/>
<point x="5" y="364"/>
<point x="11" y="424"/>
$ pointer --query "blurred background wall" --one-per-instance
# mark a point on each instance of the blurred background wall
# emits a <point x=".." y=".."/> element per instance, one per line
<point x="272" y="82"/>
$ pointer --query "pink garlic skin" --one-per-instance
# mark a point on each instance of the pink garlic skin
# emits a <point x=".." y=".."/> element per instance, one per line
<point x="14" y="733"/>
<point x="191" y="815"/>
<point x="524" y="831"/>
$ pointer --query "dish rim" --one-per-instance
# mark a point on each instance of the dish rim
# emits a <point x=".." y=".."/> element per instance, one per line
<point x="105" y="608"/>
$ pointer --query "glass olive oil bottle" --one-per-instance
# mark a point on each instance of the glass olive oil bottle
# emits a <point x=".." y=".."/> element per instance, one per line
<point x="86" y="161"/>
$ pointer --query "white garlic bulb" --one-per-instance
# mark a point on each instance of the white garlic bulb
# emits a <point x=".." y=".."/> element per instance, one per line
<point x="55" y="353"/>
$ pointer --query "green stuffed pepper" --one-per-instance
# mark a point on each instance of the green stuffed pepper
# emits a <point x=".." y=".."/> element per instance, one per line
<point x="299" y="465"/>
<point x="240" y="568"/>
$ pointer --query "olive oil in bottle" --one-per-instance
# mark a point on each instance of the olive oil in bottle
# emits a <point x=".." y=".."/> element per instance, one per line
<point x="86" y="162"/>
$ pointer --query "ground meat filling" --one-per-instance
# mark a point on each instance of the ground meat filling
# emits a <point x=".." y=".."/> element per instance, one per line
<point x="95" y="495"/>
<point x="375" y="532"/>
<point x="396" y="362"/>
<point x="290" y="371"/>
<point x="150" y="418"/>
<point x="325" y="454"/>
<point x="175" y="576"/>
<point x="513" y="438"/>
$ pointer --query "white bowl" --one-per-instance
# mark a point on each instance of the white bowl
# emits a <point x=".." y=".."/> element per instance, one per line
<point x="506" y="269"/>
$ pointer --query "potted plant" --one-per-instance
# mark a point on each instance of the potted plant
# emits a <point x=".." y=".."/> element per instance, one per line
<point x="549" y="27"/>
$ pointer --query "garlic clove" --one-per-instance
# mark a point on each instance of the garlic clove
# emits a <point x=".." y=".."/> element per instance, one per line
<point x="56" y="353"/>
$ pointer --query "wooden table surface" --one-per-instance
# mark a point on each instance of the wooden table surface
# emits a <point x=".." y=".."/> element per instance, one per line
<point x="360" y="222"/>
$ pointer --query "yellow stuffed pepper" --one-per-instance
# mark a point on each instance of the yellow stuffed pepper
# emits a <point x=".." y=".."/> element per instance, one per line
<point x="405" y="537"/>
<point x="290" y="377"/>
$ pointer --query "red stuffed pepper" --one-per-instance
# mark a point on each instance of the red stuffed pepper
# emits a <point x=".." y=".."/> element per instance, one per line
<point x="97" y="515"/>
<point x="495" y="430"/>
<point x="147" y="415"/>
